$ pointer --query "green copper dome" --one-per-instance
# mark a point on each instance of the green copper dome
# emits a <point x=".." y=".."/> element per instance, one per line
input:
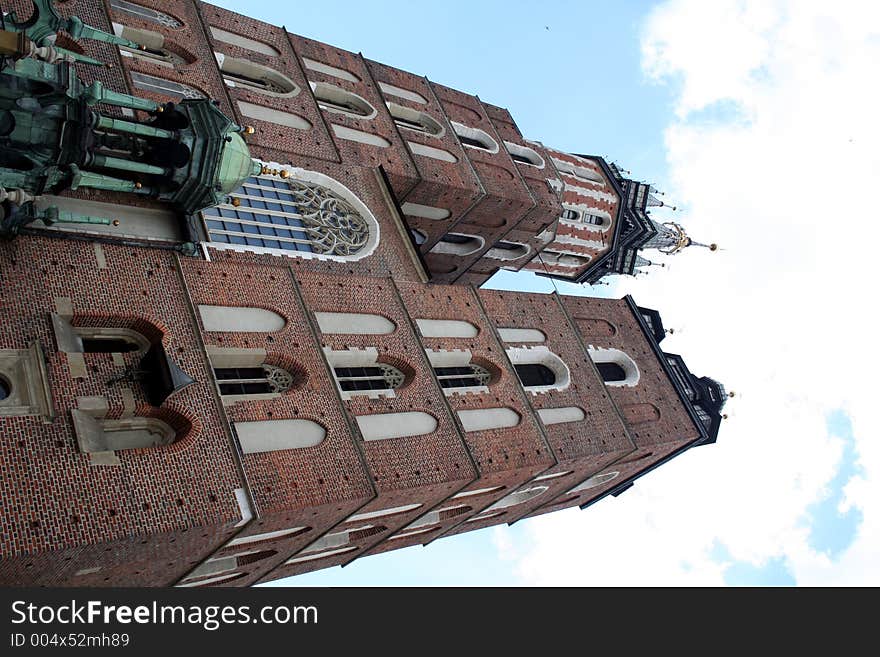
<point x="236" y="164"/>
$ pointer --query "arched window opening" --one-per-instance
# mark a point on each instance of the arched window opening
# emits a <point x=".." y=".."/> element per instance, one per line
<point x="252" y="380"/>
<point x="418" y="236"/>
<point x="96" y="434"/>
<point x="539" y="369"/>
<point x="570" y="215"/>
<point x="459" y="244"/>
<point x="336" y="99"/>
<point x="467" y="376"/>
<point x="429" y="151"/>
<point x="164" y="87"/>
<point x="518" y="497"/>
<point x="411" y="119"/>
<point x="241" y="72"/>
<point x="145" y="13"/>
<point x="611" y="372"/>
<point x="595" y="481"/>
<point x="360" y="379"/>
<point x="524" y="155"/>
<point x="508" y="250"/>
<point x="5" y="389"/>
<point x="535" y="374"/>
<point x="272" y="115"/>
<point x="152" y="46"/>
<point x="583" y="173"/>
<point x="475" y="138"/>
<point x="293" y="217"/>
<point x="615" y="367"/>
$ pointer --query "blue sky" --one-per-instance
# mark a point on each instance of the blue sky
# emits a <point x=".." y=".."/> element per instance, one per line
<point x="726" y="107"/>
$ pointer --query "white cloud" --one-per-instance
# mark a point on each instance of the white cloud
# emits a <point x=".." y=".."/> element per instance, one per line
<point x="785" y="314"/>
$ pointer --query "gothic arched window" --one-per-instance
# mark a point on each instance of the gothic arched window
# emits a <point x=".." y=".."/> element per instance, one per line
<point x="362" y="379"/>
<point x="244" y="73"/>
<point x="145" y="13"/>
<point x="291" y="216"/>
<point x="252" y="380"/>
<point x="465" y="376"/>
<point x="164" y="87"/>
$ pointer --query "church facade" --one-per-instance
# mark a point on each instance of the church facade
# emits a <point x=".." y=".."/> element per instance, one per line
<point x="308" y="372"/>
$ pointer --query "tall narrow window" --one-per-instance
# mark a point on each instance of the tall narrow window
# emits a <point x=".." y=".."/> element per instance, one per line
<point x="252" y="380"/>
<point x="359" y="379"/>
<point x="535" y="374"/>
<point x="570" y="215"/>
<point x="291" y="216"/>
<point x="164" y="87"/>
<point x="145" y="13"/>
<point x="466" y="376"/>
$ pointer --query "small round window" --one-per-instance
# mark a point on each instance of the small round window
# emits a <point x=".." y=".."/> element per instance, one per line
<point x="5" y="389"/>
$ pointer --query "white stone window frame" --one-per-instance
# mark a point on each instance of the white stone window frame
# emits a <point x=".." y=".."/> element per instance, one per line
<point x="406" y="94"/>
<point x="224" y="61"/>
<point x="405" y="116"/>
<point x="476" y="134"/>
<point x="241" y="41"/>
<point x="462" y="250"/>
<point x="508" y="255"/>
<point x="314" y="177"/>
<point x="329" y="104"/>
<point x="621" y="358"/>
<point x="541" y="355"/>
<point x="582" y="173"/>
<point x="535" y="159"/>
<point x="517" y="498"/>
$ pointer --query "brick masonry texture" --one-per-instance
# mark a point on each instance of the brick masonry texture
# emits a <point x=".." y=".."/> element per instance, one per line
<point x="200" y="511"/>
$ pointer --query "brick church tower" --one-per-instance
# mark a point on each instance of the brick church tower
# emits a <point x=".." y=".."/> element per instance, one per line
<point x="305" y="371"/>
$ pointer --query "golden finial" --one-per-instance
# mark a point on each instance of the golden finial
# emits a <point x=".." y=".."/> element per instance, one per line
<point x="249" y="130"/>
<point x="713" y="247"/>
<point x="137" y="185"/>
<point x="731" y="394"/>
<point x="284" y="173"/>
<point x="116" y="222"/>
<point x="159" y="109"/>
<point x="235" y="202"/>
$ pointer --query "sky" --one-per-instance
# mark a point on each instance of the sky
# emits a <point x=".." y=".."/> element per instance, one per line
<point x="758" y="120"/>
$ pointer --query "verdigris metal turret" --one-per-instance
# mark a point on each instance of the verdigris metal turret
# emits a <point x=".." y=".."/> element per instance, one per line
<point x="55" y="137"/>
